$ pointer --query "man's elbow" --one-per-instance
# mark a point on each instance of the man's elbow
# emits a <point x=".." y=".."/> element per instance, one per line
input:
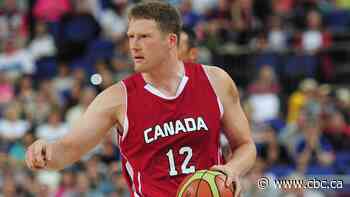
<point x="249" y="148"/>
<point x="253" y="149"/>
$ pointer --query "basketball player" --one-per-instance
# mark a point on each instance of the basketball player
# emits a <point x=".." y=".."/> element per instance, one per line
<point x="187" y="49"/>
<point x="188" y="52"/>
<point x="167" y="117"/>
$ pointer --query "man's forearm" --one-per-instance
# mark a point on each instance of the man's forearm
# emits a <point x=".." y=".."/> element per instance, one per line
<point x="62" y="156"/>
<point x="243" y="158"/>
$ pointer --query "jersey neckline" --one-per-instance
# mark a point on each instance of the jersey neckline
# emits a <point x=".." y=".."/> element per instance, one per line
<point x="153" y="90"/>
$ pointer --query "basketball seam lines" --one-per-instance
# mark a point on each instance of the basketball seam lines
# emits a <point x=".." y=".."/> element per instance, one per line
<point x="200" y="183"/>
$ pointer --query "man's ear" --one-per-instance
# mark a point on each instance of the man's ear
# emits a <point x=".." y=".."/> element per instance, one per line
<point x="172" y="40"/>
<point x="194" y="54"/>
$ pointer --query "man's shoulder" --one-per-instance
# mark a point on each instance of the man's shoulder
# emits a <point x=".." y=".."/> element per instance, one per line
<point x="221" y="81"/>
<point x="113" y="95"/>
<point x="217" y="75"/>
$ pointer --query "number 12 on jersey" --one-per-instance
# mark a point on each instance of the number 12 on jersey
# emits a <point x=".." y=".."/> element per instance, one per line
<point x="185" y="169"/>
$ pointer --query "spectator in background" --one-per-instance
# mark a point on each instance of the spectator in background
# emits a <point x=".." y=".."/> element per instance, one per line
<point x="189" y="16"/>
<point x="337" y="131"/>
<point x="76" y="29"/>
<point x="343" y="4"/>
<point x="293" y="133"/>
<point x="314" y="38"/>
<point x="220" y="18"/>
<point x="343" y="102"/>
<point x="118" y="181"/>
<point x="202" y="6"/>
<point x="121" y="63"/>
<point x="110" y="152"/>
<point x="96" y="173"/>
<point x="277" y="37"/>
<point x="11" y="126"/>
<point x="297" y="100"/>
<point x="113" y="21"/>
<point x="15" y="60"/>
<point x="72" y="96"/>
<point x="83" y="187"/>
<point x="43" y="44"/>
<point x="67" y="183"/>
<point x="6" y="90"/>
<point x="249" y="182"/>
<point x="54" y="128"/>
<point x="244" y="20"/>
<point x="45" y="99"/>
<point x="283" y="7"/>
<point x="9" y="188"/>
<point x="51" y="11"/>
<point x="313" y="149"/>
<point x="79" y="75"/>
<point x="12" y="22"/>
<point x="263" y="96"/>
<point x="76" y="111"/>
<point x="27" y="95"/>
<point x="17" y="150"/>
<point x="63" y="82"/>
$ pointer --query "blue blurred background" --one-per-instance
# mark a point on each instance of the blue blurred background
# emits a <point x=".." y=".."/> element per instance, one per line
<point x="289" y="58"/>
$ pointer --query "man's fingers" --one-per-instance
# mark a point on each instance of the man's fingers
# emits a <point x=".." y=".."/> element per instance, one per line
<point x="39" y="154"/>
<point x="37" y="148"/>
<point x="48" y="154"/>
<point x="215" y="167"/>
<point x="229" y="181"/>
<point x="219" y="168"/>
<point x="237" y="188"/>
<point x="29" y="158"/>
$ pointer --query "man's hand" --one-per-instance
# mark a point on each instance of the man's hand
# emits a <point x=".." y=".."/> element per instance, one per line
<point x="38" y="154"/>
<point x="231" y="177"/>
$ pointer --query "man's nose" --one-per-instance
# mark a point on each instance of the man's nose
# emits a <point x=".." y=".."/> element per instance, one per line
<point x="135" y="45"/>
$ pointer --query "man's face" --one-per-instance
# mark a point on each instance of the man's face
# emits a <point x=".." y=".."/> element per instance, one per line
<point x="148" y="45"/>
<point x="184" y="51"/>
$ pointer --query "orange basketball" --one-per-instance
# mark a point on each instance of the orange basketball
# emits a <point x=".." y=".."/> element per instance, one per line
<point x="205" y="183"/>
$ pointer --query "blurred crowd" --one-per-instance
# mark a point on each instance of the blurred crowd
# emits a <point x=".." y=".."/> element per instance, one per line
<point x="289" y="59"/>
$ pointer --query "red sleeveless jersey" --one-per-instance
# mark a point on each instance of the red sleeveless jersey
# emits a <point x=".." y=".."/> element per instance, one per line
<point x="165" y="139"/>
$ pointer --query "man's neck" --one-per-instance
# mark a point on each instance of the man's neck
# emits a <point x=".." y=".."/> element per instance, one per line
<point x="166" y="78"/>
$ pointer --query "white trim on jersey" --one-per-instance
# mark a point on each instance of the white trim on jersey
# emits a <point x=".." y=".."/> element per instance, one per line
<point x="126" y="120"/>
<point x="139" y="179"/>
<point x="221" y="107"/>
<point x="156" y="92"/>
<point x="130" y="171"/>
<point x="219" y="154"/>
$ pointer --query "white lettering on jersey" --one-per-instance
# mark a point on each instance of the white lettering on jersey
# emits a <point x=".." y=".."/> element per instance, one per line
<point x="191" y="127"/>
<point x="167" y="129"/>
<point x="201" y="124"/>
<point x="179" y="127"/>
<point x="147" y="139"/>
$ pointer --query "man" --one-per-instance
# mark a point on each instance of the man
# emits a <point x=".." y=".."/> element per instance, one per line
<point x="187" y="50"/>
<point x="168" y="116"/>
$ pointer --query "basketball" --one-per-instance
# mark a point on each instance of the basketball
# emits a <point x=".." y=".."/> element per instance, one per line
<point x="205" y="183"/>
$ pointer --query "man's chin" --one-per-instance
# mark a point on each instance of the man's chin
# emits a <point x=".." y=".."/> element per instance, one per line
<point x="139" y="68"/>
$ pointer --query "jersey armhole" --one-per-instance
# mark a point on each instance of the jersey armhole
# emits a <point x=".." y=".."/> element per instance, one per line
<point x="221" y="107"/>
<point x="126" y="120"/>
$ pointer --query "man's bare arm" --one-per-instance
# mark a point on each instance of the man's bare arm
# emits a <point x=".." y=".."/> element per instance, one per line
<point x="87" y="132"/>
<point x="235" y="123"/>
